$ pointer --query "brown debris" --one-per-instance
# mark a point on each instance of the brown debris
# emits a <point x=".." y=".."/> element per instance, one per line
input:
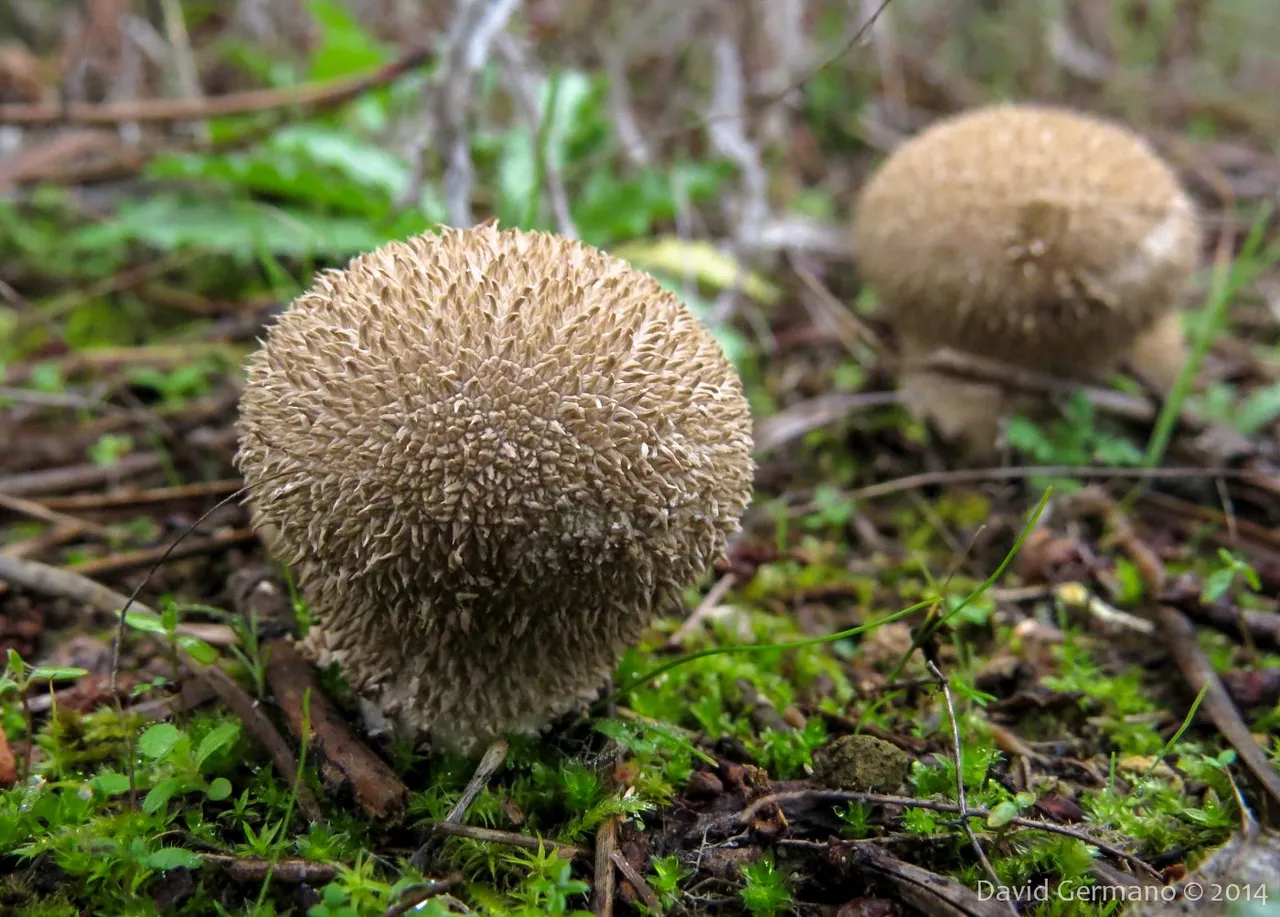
<point x="8" y="764"/>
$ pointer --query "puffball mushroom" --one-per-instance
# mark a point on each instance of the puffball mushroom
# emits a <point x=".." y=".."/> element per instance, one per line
<point x="1035" y="236"/>
<point x="492" y="458"/>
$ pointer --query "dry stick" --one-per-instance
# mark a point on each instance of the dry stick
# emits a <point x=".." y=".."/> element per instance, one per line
<point x="132" y="498"/>
<point x="1198" y="671"/>
<point x="960" y="795"/>
<point x="416" y="895"/>
<point x="966" y="366"/>
<point x="1259" y="628"/>
<point x="798" y="419"/>
<point x="746" y="816"/>
<point x="488" y="766"/>
<point x="32" y="547"/>
<point x="493" y="836"/>
<point x="329" y="93"/>
<point x="1181" y="509"/>
<point x="131" y="560"/>
<point x="604" y="886"/>
<point x="75" y="477"/>
<point x="345" y="761"/>
<point x="49" y="580"/>
<point x="632" y="875"/>
<point x="39" y="511"/>
<point x="705" y="607"/>
<point x="290" y="872"/>
<point x="924" y="892"/>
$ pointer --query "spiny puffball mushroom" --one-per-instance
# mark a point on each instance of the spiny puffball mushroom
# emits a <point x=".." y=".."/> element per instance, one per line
<point x="492" y="458"/>
<point x="1036" y="236"/>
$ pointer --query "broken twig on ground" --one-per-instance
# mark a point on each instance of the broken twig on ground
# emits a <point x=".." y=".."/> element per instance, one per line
<point x="345" y="762"/>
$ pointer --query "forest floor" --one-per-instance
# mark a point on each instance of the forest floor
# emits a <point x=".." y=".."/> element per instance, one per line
<point x="913" y="687"/>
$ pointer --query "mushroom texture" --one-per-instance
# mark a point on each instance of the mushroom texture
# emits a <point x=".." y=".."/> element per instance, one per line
<point x="492" y="458"/>
<point x="1035" y="236"/>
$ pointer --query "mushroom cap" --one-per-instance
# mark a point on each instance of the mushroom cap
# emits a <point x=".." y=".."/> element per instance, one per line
<point x="492" y="458"/>
<point x="1028" y="234"/>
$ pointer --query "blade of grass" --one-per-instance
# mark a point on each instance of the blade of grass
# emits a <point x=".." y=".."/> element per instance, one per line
<point x="1228" y="278"/>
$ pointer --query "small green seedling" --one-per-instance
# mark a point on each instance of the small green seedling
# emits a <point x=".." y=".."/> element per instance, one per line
<point x="18" y="677"/>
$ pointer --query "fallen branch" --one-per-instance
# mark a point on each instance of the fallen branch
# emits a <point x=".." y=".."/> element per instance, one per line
<point x="34" y="510"/>
<point x="632" y="875"/>
<point x="603" y="885"/>
<point x="414" y="896"/>
<point x="1198" y="671"/>
<point x="77" y="477"/>
<point x="145" y="557"/>
<point x="311" y="96"/>
<point x="345" y="762"/>
<point x="131" y="498"/>
<point x="705" y="608"/>
<point x="1019" y="473"/>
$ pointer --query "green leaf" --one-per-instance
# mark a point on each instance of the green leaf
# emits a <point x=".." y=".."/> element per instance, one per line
<point x="217" y="739"/>
<point x="219" y="789"/>
<point x="240" y="227"/>
<point x="110" y="783"/>
<point x="162" y="792"/>
<point x="1258" y="410"/>
<point x="56" y="673"/>
<point x="1216" y="584"/>
<point x="144" y="621"/>
<point x="173" y="858"/>
<point x="158" y="741"/>
<point x="345" y="46"/>
<point x="198" y="649"/>
<point x="1002" y="814"/>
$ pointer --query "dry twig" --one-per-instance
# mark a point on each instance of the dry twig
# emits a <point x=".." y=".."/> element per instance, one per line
<point x="492" y="836"/>
<point x="958" y="751"/>
<point x="311" y="96"/>
<point x="345" y="762"/>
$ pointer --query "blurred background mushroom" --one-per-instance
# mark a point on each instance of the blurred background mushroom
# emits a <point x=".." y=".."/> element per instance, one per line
<point x="1037" y="237"/>
<point x="491" y="457"/>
